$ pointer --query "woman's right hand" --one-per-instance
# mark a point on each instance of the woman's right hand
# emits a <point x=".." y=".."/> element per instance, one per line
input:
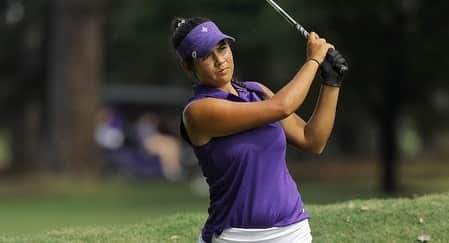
<point x="317" y="47"/>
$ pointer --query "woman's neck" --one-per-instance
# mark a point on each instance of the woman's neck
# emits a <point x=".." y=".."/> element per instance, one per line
<point x="229" y="88"/>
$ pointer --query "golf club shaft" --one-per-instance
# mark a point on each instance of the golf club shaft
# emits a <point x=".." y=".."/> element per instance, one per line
<point x="289" y="19"/>
<point x="298" y="27"/>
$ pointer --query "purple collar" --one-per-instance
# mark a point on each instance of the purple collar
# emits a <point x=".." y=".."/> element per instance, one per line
<point x="201" y="90"/>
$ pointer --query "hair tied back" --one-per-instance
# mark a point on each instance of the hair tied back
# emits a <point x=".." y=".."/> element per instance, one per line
<point x="180" y="23"/>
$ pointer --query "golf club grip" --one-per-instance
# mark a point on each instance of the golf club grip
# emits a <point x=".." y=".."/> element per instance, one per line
<point x="302" y="31"/>
<point x="341" y="67"/>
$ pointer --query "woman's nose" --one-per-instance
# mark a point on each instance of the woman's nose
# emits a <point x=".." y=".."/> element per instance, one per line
<point x="219" y="59"/>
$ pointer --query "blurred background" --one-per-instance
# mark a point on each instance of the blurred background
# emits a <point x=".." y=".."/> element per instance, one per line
<point x="91" y="94"/>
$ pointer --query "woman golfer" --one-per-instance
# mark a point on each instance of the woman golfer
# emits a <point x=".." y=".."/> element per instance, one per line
<point x="239" y="133"/>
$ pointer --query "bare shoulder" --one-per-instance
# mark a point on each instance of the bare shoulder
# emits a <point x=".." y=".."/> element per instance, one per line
<point x="207" y="109"/>
<point x="211" y="117"/>
<point x="198" y="116"/>
<point x="195" y="108"/>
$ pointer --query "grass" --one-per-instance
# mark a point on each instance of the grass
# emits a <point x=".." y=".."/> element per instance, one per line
<point x="391" y="220"/>
<point x="33" y="205"/>
<point x="57" y="203"/>
<point x="376" y="220"/>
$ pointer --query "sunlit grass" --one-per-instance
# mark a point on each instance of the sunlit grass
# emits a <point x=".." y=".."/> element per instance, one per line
<point x="391" y="220"/>
<point x="38" y="204"/>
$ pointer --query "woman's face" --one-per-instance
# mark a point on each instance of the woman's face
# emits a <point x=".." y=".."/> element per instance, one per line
<point x="217" y="68"/>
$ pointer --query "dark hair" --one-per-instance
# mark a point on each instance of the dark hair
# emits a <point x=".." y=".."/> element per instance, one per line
<point x="181" y="27"/>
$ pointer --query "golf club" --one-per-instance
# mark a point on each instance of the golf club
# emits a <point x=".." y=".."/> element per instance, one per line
<point x="298" y="27"/>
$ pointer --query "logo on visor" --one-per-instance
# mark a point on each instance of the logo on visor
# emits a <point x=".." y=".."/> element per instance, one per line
<point x="194" y="55"/>
<point x="204" y="29"/>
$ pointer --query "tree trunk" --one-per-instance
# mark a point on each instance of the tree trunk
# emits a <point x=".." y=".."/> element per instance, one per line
<point x="395" y="97"/>
<point x="74" y="74"/>
<point x="389" y="147"/>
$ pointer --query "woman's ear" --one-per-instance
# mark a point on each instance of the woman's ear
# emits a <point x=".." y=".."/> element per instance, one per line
<point x="188" y="68"/>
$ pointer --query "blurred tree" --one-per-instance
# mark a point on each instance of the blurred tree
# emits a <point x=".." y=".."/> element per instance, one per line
<point x="380" y="41"/>
<point x="75" y="69"/>
<point x="394" y="50"/>
<point x="390" y="52"/>
<point x="139" y="48"/>
<point x="22" y="69"/>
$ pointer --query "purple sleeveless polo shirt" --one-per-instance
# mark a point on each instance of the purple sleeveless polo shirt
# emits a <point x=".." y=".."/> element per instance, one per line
<point x="249" y="183"/>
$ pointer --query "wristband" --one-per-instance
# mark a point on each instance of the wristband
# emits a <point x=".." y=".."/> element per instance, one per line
<point x="313" y="59"/>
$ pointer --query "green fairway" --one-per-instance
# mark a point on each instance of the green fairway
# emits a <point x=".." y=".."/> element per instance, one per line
<point x="61" y="203"/>
<point x="392" y="220"/>
<point x="35" y="205"/>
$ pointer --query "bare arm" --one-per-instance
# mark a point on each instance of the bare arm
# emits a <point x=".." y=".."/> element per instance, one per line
<point x="312" y="136"/>
<point x="209" y="117"/>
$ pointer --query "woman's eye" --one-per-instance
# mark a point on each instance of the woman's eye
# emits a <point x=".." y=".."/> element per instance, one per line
<point x="205" y="58"/>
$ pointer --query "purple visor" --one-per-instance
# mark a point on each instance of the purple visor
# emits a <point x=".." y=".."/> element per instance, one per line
<point x="201" y="40"/>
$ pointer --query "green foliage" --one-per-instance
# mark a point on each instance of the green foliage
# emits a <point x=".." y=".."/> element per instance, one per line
<point x="390" y="43"/>
<point x="392" y="220"/>
<point x="5" y="154"/>
<point x="267" y="48"/>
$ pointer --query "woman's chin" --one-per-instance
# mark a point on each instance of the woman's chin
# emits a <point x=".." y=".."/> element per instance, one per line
<point x="224" y="80"/>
